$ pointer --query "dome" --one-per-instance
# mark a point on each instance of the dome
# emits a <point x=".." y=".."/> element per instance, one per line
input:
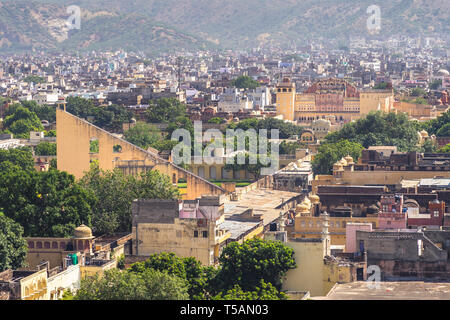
<point x="423" y="133"/>
<point x="302" y="208"/>
<point x="343" y="162"/>
<point x="349" y="159"/>
<point x="83" y="232"/>
<point x="410" y="203"/>
<point x="314" y="198"/>
<point x="443" y="72"/>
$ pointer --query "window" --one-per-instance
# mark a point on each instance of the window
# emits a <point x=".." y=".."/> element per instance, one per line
<point x="94" y="146"/>
<point x="30" y="244"/>
<point x="196" y="234"/>
<point x="117" y="148"/>
<point x="205" y="234"/>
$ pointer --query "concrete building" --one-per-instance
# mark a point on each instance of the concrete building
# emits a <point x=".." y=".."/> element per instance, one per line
<point x="190" y="228"/>
<point x="375" y="168"/>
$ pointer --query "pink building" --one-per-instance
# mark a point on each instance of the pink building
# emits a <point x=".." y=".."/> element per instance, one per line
<point x="350" y="235"/>
<point x="392" y="215"/>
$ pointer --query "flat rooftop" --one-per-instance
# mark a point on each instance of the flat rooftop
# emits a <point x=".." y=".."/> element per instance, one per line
<point x="262" y="201"/>
<point x="400" y="290"/>
<point x="237" y="228"/>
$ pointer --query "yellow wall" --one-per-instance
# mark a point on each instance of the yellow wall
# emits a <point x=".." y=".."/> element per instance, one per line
<point x="286" y="103"/>
<point x="34" y="287"/>
<point x="73" y="155"/>
<point x="177" y="238"/>
<point x="308" y="276"/>
<point x="89" y="271"/>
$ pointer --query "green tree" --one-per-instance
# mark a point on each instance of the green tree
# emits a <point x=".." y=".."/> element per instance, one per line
<point x="245" y="82"/>
<point x="255" y="260"/>
<point x="436" y="124"/>
<point x="114" y="193"/>
<point x="143" y="135"/>
<point x="265" y="291"/>
<point x="444" y="149"/>
<point x="196" y="275"/>
<point x="46" y="204"/>
<point x="45" y="149"/>
<point x="379" y="128"/>
<point x="436" y="84"/>
<point x="44" y="112"/>
<point x="13" y="248"/>
<point x="329" y="153"/>
<point x="122" y="285"/>
<point x="22" y="122"/>
<point x="22" y="157"/>
<point x="418" y="92"/>
<point x="428" y="147"/>
<point x="165" y="110"/>
<point x="50" y="134"/>
<point x="34" y="79"/>
<point x="444" y="131"/>
<point x="216" y="120"/>
<point x="80" y="107"/>
<point x="286" y="130"/>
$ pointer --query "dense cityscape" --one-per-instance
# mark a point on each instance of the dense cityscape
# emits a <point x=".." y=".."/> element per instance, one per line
<point x="308" y="171"/>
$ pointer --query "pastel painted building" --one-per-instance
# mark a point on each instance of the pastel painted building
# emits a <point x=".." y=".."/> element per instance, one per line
<point x="392" y="215"/>
<point x="350" y="235"/>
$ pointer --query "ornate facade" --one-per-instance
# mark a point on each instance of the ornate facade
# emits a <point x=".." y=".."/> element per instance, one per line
<point x="333" y="99"/>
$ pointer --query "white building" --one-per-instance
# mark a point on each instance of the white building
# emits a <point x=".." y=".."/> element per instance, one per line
<point x="260" y="97"/>
<point x="232" y="100"/>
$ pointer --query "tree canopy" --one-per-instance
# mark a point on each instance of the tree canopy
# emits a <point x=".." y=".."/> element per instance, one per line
<point x="329" y="153"/>
<point x="22" y="122"/>
<point x="378" y="128"/>
<point x="114" y="193"/>
<point x="143" y="135"/>
<point x="247" y="264"/>
<point x="110" y="118"/>
<point x="165" y="110"/>
<point x="286" y="130"/>
<point x="45" y="149"/>
<point x="245" y="82"/>
<point x="123" y="285"/>
<point x="13" y="248"/>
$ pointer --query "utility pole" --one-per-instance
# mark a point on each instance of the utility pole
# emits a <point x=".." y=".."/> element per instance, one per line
<point x="179" y="61"/>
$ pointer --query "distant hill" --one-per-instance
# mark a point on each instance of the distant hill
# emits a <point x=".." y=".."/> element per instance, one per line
<point x="26" y="25"/>
<point x="232" y="23"/>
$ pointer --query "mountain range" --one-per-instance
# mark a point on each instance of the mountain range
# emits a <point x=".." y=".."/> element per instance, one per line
<point x="157" y="26"/>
